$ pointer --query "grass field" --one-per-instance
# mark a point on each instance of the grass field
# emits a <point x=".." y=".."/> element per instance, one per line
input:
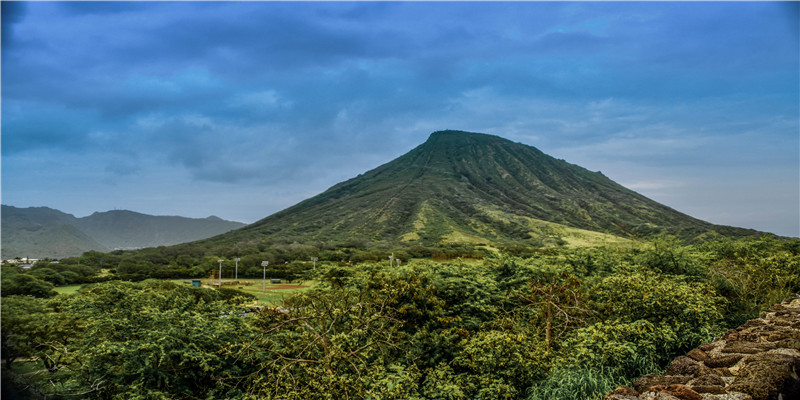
<point x="67" y="289"/>
<point x="272" y="294"/>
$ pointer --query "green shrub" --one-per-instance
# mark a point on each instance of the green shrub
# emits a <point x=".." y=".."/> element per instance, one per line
<point x="574" y="384"/>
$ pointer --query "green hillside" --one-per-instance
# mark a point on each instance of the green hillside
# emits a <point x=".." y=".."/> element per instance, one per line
<point x="474" y="188"/>
<point x="41" y="232"/>
<point x="119" y="229"/>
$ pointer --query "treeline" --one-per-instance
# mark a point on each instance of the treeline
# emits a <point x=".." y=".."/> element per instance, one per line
<point x="563" y="324"/>
<point x="288" y="260"/>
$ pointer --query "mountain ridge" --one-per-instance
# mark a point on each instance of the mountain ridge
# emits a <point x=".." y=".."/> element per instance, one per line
<point x="40" y="232"/>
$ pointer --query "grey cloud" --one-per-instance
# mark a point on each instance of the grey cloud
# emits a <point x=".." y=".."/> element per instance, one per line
<point x="45" y="126"/>
<point x="12" y="13"/>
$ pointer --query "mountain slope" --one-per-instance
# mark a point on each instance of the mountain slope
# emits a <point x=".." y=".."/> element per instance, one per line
<point x="473" y="187"/>
<point x="120" y="229"/>
<point x="39" y="232"/>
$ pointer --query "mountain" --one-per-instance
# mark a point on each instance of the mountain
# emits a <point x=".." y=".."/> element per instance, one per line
<point x="127" y="229"/>
<point x="474" y="188"/>
<point x="39" y="232"/>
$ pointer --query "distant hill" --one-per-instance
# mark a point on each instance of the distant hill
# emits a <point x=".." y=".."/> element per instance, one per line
<point x="475" y="188"/>
<point x="39" y="232"/>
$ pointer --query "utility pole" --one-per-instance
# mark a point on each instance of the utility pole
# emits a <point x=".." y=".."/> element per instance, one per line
<point x="391" y="257"/>
<point x="220" y="272"/>
<point x="314" y="259"/>
<point x="264" y="264"/>
<point x="236" y="276"/>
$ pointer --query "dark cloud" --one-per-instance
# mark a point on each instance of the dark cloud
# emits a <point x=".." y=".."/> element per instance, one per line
<point x="46" y="126"/>
<point x="12" y="13"/>
<point x="105" y="8"/>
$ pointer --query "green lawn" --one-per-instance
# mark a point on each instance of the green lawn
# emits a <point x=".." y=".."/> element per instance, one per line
<point x="273" y="295"/>
<point x="67" y="289"/>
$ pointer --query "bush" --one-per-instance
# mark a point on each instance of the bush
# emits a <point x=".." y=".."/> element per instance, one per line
<point x="574" y="384"/>
<point x="26" y="285"/>
<point x="691" y="310"/>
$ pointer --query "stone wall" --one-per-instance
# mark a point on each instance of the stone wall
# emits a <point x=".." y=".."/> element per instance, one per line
<point x="760" y="360"/>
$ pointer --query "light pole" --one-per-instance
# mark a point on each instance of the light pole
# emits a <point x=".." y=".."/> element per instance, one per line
<point x="220" y="272"/>
<point x="314" y="259"/>
<point x="264" y="264"/>
<point x="236" y="274"/>
<point x="391" y="257"/>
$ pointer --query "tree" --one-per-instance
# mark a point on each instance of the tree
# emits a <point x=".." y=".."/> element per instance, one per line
<point x="26" y="285"/>
<point x="558" y="302"/>
<point x="690" y="309"/>
<point x="752" y="274"/>
<point x="128" y="340"/>
<point x="21" y="326"/>
<point x="49" y="275"/>
<point x="331" y="343"/>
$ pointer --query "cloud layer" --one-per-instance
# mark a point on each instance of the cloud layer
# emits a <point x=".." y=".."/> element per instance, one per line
<point x="241" y="109"/>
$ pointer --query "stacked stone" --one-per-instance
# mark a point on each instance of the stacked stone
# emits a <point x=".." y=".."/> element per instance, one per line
<point x="760" y="360"/>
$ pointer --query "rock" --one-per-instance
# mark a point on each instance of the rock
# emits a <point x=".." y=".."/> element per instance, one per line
<point x="779" y="308"/>
<point x="714" y="389"/>
<point x="791" y="343"/>
<point x="703" y="370"/>
<point x="681" y="392"/>
<point x="746" y="347"/>
<point x="764" y="376"/>
<point x="725" y="373"/>
<point x="625" y="391"/>
<point x="778" y="335"/>
<point x="731" y="334"/>
<point x="619" y="397"/>
<point x="622" y="393"/>
<point x="728" y="380"/>
<point x="723" y="361"/>
<point x="657" y="396"/>
<point x="682" y="366"/>
<point x="697" y="355"/>
<point x="788" y="352"/>
<point x="644" y="383"/>
<point x="727" y="396"/>
<point x="708" y="346"/>
<point x="707" y="380"/>
<point x="753" y="323"/>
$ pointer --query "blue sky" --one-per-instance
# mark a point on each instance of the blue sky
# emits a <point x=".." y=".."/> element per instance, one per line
<point x="242" y="109"/>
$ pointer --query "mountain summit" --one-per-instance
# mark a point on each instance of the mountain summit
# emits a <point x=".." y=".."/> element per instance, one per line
<point x="472" y="187"/>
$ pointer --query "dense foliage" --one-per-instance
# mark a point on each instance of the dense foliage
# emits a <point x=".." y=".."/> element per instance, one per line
<point x="559" y="324"/>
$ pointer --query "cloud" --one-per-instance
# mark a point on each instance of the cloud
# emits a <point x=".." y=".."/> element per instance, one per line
<point x="269" y="95"/>
<point x="45" y="126"/>
<point x="12" y="13"/>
